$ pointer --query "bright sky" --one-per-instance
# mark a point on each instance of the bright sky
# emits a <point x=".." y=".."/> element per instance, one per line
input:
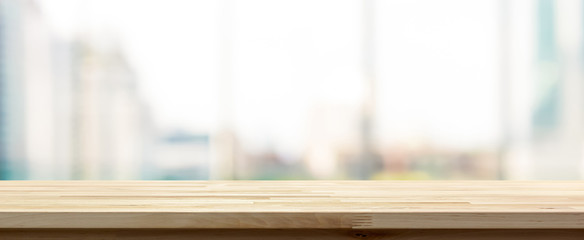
<point x="436" y="61"/>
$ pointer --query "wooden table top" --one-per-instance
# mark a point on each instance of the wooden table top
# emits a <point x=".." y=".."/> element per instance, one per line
<point x="292" y="204"/>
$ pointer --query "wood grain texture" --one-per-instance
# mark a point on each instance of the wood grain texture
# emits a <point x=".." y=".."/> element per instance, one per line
<point x="292" y="204"/>
<point x="289" y="234"/>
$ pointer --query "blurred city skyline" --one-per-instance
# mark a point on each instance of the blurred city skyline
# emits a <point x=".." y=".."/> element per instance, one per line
<point x="290" y="89"/>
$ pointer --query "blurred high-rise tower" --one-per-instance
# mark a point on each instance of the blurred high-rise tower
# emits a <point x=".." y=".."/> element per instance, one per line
<point x="31" y="96"/>
<point x="107" y="112"/>
<point x="11" y="102"/>
<point x="545" y="115"/>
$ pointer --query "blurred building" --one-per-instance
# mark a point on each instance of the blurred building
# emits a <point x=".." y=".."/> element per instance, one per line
<point x="108" y="139"/>
<point x="546" y="118"/>
<point x="62" y="71"/>
<point x="333" y="143"/>
<point x="558" y="115"/>
<point x="29" y="127"/>
<point x="12" y="154"/>
<point x="39" y="95"/>
<point x="360" y="94"/>
<point x="68" y="108"/>
<point x="179" y="155"/>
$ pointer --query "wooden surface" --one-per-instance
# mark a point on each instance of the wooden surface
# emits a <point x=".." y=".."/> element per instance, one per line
<point x="290" y="234"/>
<point x="291" y="205"/>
